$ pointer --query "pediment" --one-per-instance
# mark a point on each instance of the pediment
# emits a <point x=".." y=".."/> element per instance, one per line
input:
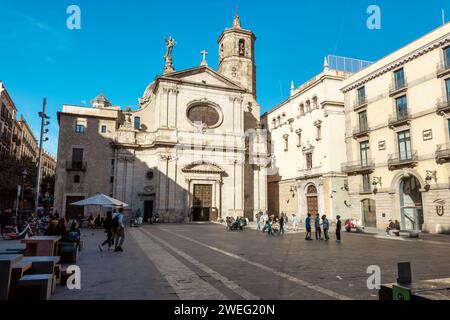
<point x="203" y="75"/>
<point x="203" y="167"/>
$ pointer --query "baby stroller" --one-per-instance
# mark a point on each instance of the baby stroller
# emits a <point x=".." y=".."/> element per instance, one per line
<point x="276" y="228"/>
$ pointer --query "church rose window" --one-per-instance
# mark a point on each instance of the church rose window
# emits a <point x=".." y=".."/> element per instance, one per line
<point x="203" y="114"/>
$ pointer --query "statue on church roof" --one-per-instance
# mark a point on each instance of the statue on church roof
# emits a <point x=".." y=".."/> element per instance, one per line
<point x="170" y="43"/>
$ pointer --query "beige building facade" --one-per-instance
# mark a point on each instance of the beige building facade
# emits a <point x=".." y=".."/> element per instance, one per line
<point x="26" y="143"/>
<point x="306" y="132"/>
<point x="397" y="137"/>
<point x="192" y="151"/>
<point x="48" y="164"/>
<point x="7" y="118"/>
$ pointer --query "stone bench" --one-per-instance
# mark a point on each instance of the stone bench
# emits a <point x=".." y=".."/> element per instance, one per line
<point x="35" y="287"/>
<point x="17" y="272"/>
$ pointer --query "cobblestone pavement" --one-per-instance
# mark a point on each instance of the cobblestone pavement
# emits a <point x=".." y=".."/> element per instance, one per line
<point x="204" y="261"/>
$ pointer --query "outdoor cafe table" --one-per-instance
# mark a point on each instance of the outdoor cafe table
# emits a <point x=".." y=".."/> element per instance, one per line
<point x="41" y="246"/>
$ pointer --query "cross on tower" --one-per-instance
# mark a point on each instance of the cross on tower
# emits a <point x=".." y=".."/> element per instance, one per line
<point x="204" y="53"/>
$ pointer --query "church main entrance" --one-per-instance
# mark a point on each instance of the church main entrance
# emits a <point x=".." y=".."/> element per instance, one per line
<point x="202" y="202"/>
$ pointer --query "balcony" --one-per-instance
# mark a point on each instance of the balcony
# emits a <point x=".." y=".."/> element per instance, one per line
<point x="443" y="106"/>
<point x="399" y="119"/>
<point x="354" y="168"/>
<point x="76" y="166"/>
<point x="313" y="172"/>
<point x="398" y="87"/>
<point x="365" y="189"/>
<point x="443" y="153"/>
<point x="397" y="161"/>
<point x="443" y="69"/>
<point x="361" y="131"/>
<point x="360" y="103"/>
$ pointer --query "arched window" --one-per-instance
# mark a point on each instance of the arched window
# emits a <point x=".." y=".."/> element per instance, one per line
<point x="242" y="47"/>
<point x="302" y="109"/>
<point x="286" y="142"/>
<point x="315" y="103"/>
<point x="308" y="106"/>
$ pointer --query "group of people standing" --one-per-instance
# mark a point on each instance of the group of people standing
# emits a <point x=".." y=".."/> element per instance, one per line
<point x="271" y="224"/>
<point x="277" y="225"/>
<point x="322" y="225"/>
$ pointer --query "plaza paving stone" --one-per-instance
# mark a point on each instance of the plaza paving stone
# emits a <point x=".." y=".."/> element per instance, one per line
<point x="167" y="261"/>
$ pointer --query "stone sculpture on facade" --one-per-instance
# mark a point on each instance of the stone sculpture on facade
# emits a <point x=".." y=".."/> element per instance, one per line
<point x="170" y="43"/>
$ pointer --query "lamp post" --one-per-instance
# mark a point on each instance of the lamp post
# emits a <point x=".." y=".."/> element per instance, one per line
<point x="23" y="174"/>
<point x="44" y="123"/>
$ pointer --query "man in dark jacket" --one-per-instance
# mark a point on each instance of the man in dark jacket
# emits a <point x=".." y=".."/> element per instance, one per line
<point x="338" y="228"/>
<point x="308" y="227"/>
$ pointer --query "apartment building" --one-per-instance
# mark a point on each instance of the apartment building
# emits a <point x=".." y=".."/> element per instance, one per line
<point x="397" y="137"/>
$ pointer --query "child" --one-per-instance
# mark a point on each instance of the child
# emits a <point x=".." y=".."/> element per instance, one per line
<point x="338" y="228"/>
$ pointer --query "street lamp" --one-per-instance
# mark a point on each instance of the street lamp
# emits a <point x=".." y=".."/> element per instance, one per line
<point x="430" y="175"/>
<point x="24" y="175"/>
<point x="375" y="182"/>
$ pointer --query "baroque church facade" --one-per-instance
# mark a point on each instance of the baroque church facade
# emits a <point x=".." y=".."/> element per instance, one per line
<point x="193" y="150"/>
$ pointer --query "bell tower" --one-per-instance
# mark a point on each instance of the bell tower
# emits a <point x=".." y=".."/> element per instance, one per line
<point x="237" y="55"/>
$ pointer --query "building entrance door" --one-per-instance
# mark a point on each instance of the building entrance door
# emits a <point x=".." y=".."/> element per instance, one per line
<point x="202" y="203"/>
<point x="148" y="210"/>
<point x="369" y="213"/>
<point x="411" y="204"/>
<point x="73" y="212"/>
<point x="312" y="200"/>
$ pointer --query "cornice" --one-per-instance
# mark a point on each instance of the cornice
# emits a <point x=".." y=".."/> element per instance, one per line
<point x="442" y="41"/>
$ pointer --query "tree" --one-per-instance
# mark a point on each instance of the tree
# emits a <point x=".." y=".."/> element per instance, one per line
<point x="11" y="176"/>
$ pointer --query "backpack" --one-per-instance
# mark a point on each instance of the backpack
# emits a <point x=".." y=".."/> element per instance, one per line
<point x="73" y="236"/>
<point x="115" y="222"/>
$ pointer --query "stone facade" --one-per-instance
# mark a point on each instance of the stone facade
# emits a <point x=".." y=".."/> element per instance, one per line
<point x="306" y="132"/>
<point x="183" y="154"/>
<point x="397" y="137"/>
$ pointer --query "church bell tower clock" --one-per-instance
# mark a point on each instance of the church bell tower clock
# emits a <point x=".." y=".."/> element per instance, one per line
<point x="237" y="56"/>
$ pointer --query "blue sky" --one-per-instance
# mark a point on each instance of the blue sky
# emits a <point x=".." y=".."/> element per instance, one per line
<point x="120" y="46"/>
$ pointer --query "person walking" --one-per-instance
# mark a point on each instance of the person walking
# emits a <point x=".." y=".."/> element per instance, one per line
<point x="317" y="227"/>
<point x="282" y="223"/>
<point x="338" y="229"/>
<point x="295" y="222"/>
<point x="326" y="227"/>
<point x="108" y="226"/>
<point x="308" y="227"/>
<point x="119" y="230"/>
<point x="258" y="221"/>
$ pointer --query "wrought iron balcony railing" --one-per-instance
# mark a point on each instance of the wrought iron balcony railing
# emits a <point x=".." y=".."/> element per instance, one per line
<point x="443" y="68"/>
<point x="399" y="119"/>
<point x="397" y="87"/>
<point x="358" y="167"/>
<point x="361" y="102"/>
<point x="443" y="153"/>
<point x="443" y="106"/>
<point x="401" y="160"/>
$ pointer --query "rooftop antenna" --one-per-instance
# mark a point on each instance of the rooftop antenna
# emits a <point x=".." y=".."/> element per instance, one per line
<point x="443" y="16"/>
